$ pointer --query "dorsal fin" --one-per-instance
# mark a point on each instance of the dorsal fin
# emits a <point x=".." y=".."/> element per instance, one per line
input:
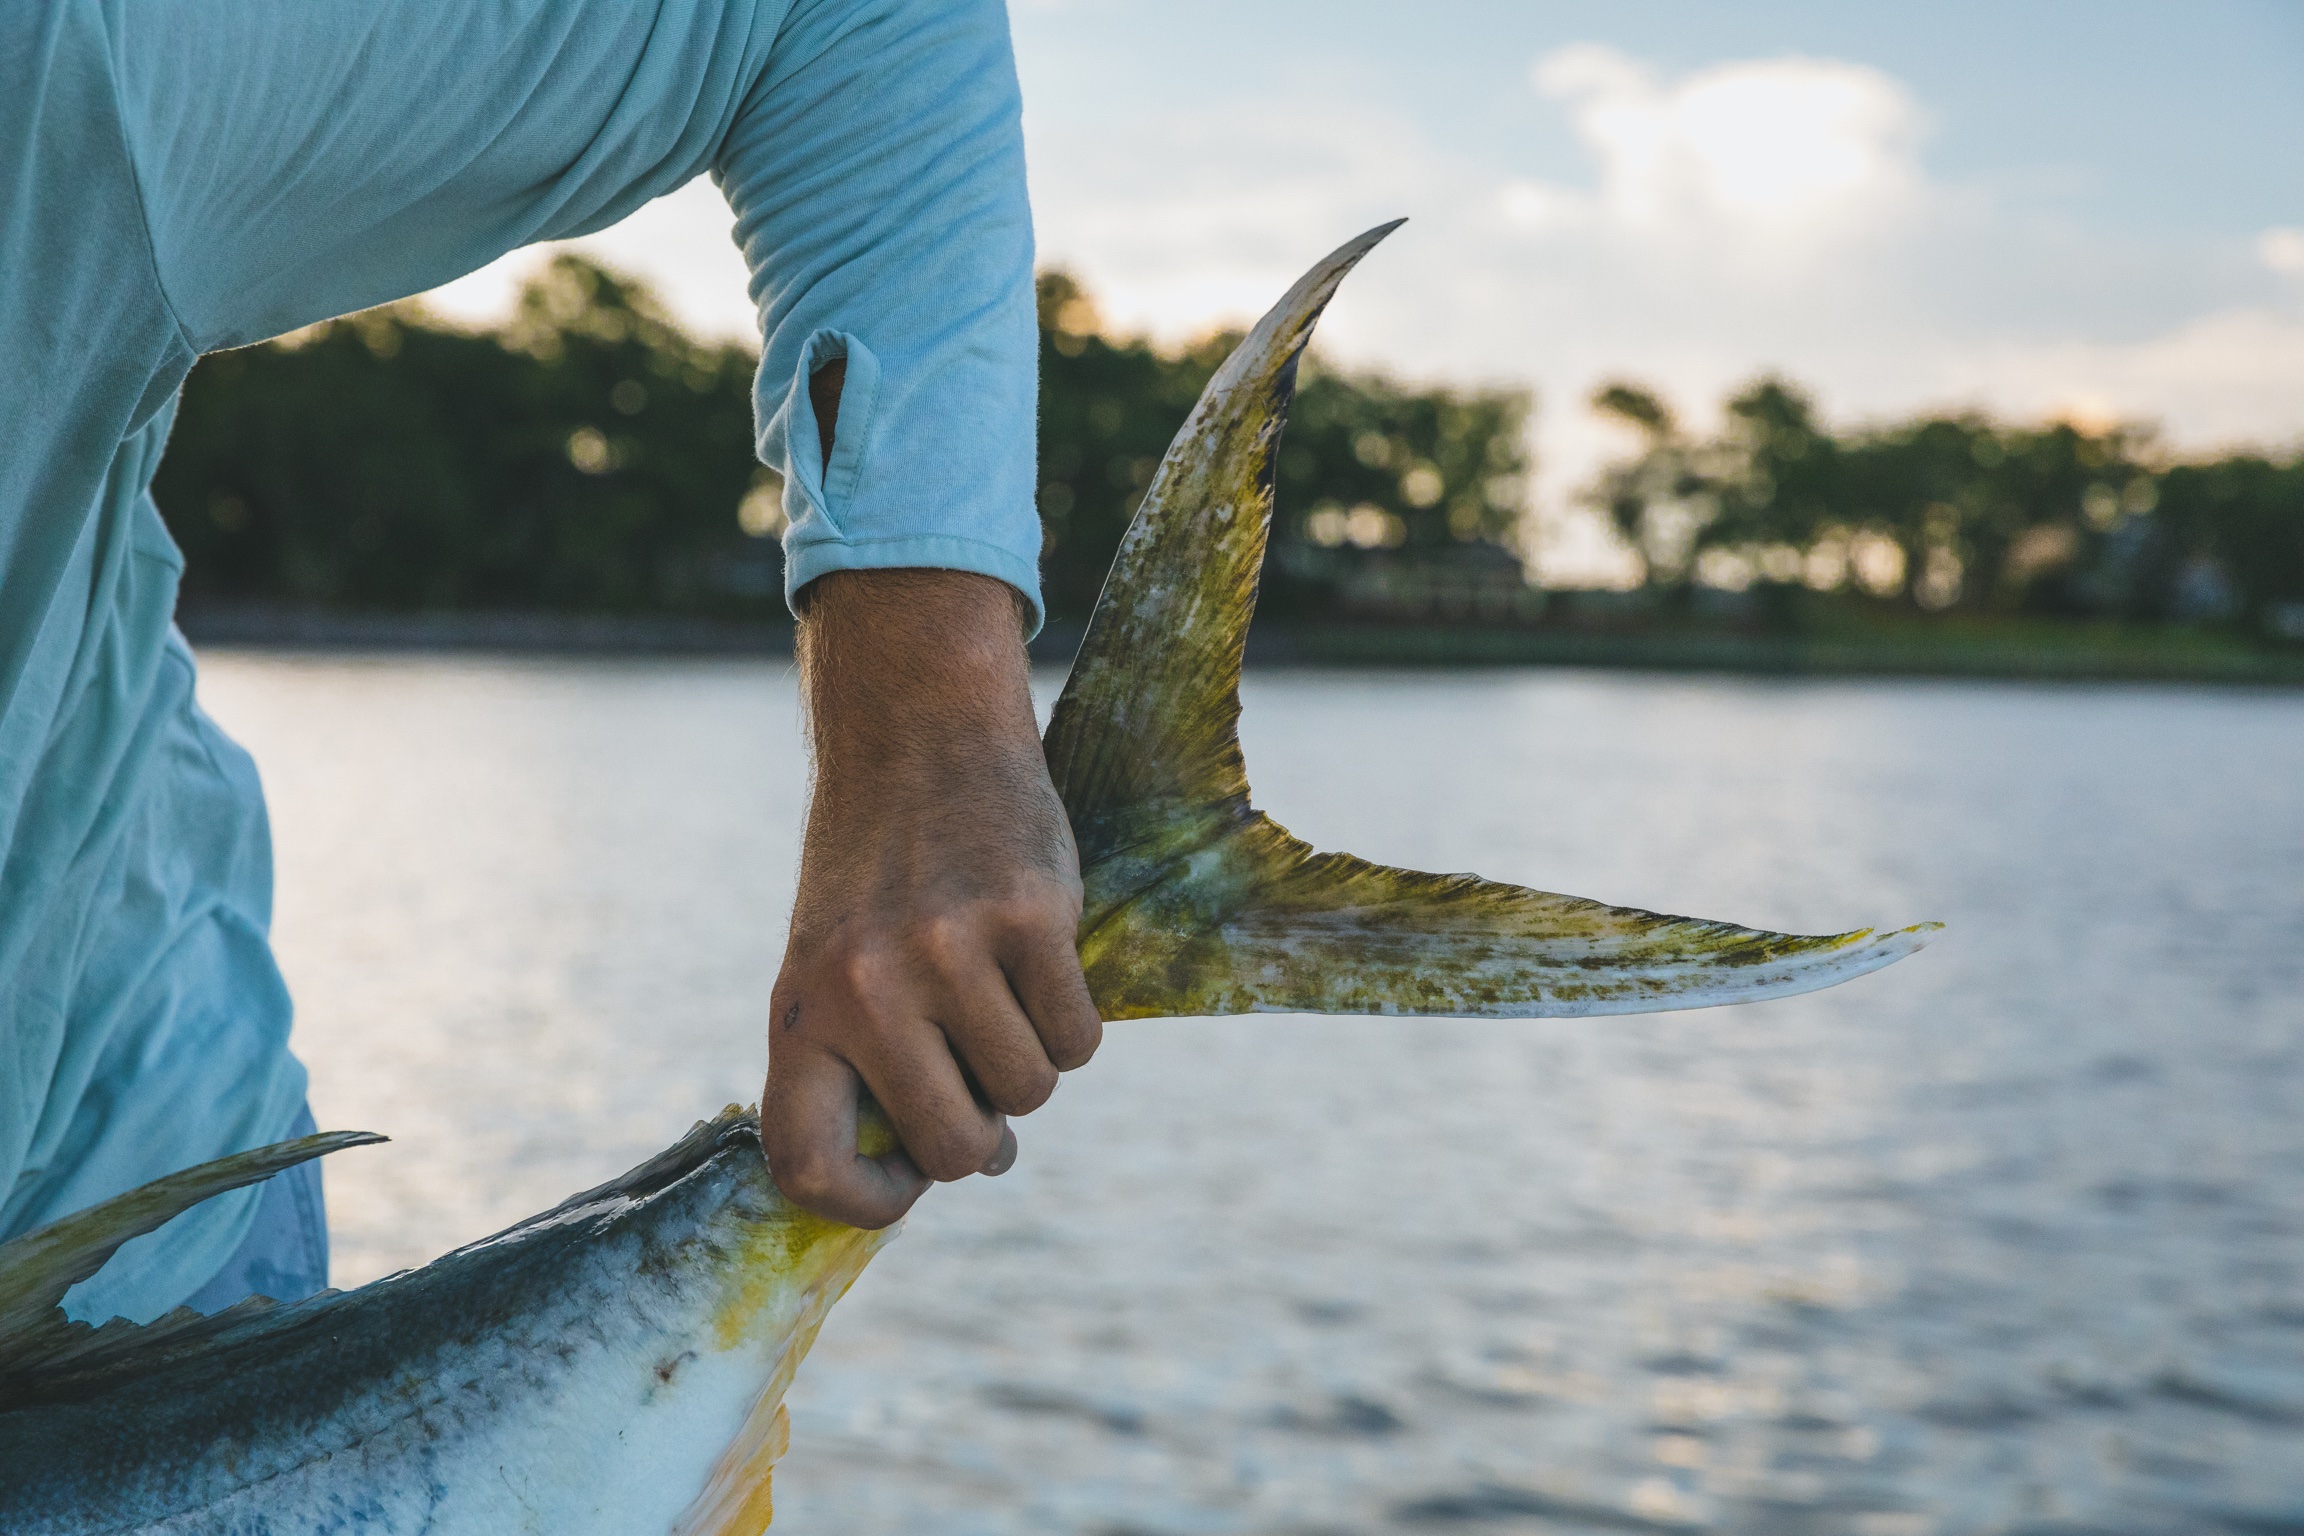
<point x="39" y="1267"/>
<point x="1197" y="903"/>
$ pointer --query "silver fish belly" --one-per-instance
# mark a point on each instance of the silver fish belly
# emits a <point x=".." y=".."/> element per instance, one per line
<point x="614" y="1365"/>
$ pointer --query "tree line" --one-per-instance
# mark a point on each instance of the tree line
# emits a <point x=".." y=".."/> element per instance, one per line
<point x="588" y="455"/>
<point x="1956" y="513"/>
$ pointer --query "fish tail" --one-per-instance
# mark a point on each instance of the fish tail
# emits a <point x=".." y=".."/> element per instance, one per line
<point x="1198" y="903"/>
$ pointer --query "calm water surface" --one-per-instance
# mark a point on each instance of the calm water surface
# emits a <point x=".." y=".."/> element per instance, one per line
<point x="2008" y="1238"/>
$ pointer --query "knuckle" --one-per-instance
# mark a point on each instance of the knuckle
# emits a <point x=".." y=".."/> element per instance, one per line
<point x="943" y="938"/>
<point x="952" y="1152"/>
<point x="1026" y="1091"/>
<point x="1069" y="893"/>
<point x="1043" y="909"/>
<point x="861" y="972"/>
<point x="1076" y="1042"/>
<point x="805" y="1177"/>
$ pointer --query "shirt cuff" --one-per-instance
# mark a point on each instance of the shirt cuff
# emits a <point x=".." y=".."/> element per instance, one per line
<point x="932" y="551"/>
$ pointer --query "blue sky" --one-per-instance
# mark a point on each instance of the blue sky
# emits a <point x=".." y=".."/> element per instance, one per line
<point x="2140" y="115"/>
<point x="2041" y="208"/>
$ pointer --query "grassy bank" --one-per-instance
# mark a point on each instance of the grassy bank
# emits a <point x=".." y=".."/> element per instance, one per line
<point x="2055" y="653"/>
<point x="1936" y="647"/>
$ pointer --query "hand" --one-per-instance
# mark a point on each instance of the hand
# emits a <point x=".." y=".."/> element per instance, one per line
<point x="932" y="957"/>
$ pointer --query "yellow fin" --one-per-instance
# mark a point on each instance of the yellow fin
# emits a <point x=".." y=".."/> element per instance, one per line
<point x="820" y="1259"/>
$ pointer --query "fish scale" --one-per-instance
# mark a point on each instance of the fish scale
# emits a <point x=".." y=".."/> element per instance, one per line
<point x="561" y="1374"/>
<point x="618" y="1364"/>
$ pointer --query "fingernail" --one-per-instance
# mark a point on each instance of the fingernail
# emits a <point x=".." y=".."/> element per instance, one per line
<point x="1003" y="1156"/>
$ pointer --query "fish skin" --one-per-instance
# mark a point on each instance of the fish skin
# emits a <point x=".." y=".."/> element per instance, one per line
<point x="617" y="1365"/>
<point x="581" y="1372"/>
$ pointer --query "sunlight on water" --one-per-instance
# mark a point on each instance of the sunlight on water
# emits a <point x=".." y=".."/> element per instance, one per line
<point x="2006" y="1238"/>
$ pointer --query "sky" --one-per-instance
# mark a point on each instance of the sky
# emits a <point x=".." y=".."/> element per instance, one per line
<point x="2034" y="207"/>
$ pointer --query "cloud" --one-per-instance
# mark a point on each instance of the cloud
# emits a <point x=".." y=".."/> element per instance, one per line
<point x="1790" y="152"/>
<point x="2282" y="250"/>
<point x="1185" y="220"/>
<point x="2228" y="379"/>
<point x="1749" y="214"/>
<point x="1752" y="214"/>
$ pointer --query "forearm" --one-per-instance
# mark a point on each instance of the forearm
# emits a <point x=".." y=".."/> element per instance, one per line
<point x="932" y="954"/>
<point x="918" y="676"/>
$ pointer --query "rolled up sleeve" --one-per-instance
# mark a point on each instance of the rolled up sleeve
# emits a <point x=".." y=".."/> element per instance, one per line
<point x="877" y="175"/>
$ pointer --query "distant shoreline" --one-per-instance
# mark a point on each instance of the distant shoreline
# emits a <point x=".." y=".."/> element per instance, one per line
<point x="2133" y="656"/>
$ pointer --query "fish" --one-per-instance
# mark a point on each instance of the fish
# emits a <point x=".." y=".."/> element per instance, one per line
<point x="618" y="1364"/>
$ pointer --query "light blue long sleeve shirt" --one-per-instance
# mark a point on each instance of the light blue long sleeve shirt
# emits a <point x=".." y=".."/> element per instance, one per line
<point x="179" y="176"/>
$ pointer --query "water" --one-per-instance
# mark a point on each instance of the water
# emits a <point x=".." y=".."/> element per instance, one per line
<point x="2007" y="1238"/>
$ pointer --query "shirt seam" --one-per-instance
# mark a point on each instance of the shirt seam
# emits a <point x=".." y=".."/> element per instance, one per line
<point x="805" y="542"/>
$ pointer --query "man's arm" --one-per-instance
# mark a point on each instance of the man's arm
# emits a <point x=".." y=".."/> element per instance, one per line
<point x="877" y="175"/>
<point x="303" y="161"/>
<point x="932" y="953"/>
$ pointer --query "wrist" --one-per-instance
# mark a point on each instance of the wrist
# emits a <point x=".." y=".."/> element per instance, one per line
<point x="914" y="669"/>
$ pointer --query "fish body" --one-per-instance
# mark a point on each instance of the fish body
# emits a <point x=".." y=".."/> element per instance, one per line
<point x="617" y="1365"/>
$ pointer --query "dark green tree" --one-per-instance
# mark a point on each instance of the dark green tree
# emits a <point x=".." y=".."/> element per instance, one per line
<point x="2242" y="518"/>
<point x="1370" y="472"/>
<point x="591" y="456"/>
<point x="1955" y="512"/>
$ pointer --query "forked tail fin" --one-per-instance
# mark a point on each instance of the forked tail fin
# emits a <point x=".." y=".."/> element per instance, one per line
<point x="1197" y="903"/>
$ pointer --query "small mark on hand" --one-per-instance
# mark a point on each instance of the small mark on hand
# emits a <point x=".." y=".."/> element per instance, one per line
<point x="792" y="1018"/>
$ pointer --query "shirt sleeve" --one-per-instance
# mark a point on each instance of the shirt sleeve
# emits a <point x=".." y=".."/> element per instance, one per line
<point x="877" y="175"/>
<point x="299" y="161"/>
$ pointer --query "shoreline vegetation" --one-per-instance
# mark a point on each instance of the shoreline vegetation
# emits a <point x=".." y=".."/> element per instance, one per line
<point x="581" y="479"/>
<point x="2058" y="653"/>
